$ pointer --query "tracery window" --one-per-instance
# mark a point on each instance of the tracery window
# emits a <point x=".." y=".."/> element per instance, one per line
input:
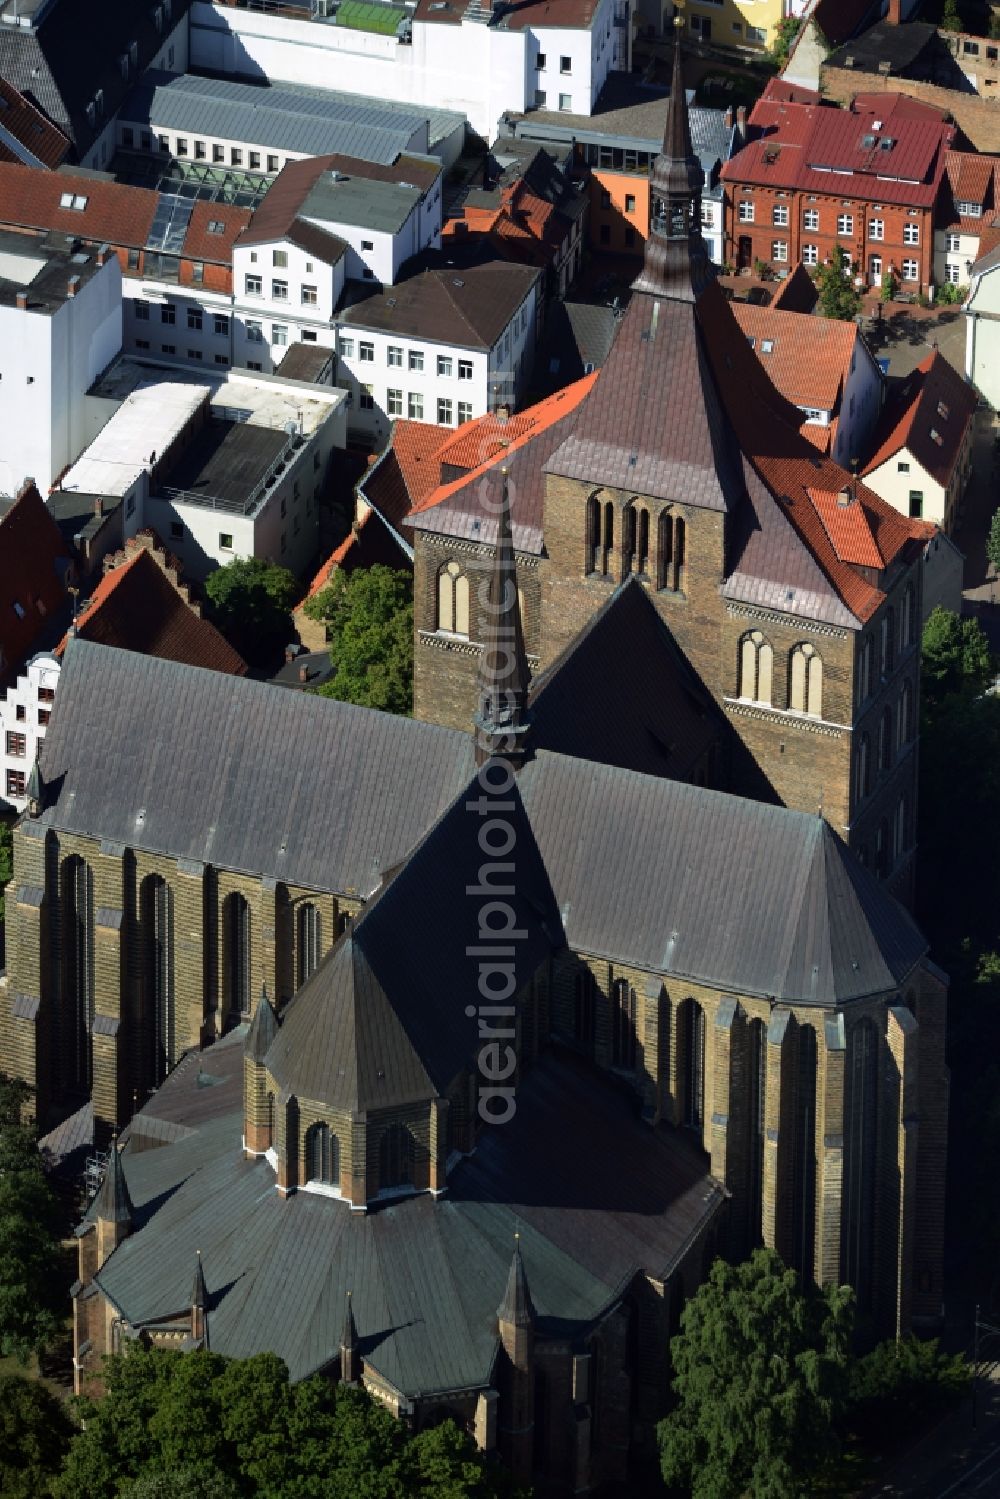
<point x="156" y="906"/>
<point x="805" y="693"/>
<point x="453" y="600"/>
<point x="323" y="1155"/>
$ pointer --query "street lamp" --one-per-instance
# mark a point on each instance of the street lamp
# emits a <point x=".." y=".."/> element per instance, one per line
<point x="982" y="1332"/>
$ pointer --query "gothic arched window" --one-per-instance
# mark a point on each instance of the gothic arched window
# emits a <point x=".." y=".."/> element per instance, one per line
<point x="236" y="955"/>
<point x="623" y="1019"/>
<point x="882" y="849"/>
<point x="691" y="1063"/>
<point x="629" y="539"/>
<point x="907" y="618"/>
<point x="453" y="600"/>
<point x="885" y="739"/>
<point x="804" y="1155"/>
<point x="865" y="661"/>
<point x="756" y="668"/>
<point x="887" y="642"/>
<point x="156" y="910"/>
<point x="898" y="831"/>
<point x="805" y="693"/>
<point x="78" y="967"/>
<point x="323" y="1156"/>
<point x="308" y="941"/>
<point x="664" y="549"/>
<point x="904" y="722"/>
<point x="756" y="1073"/>
<point x="680" y="540"/>
<point x="642" y="546"/>
<point x="593" y="534"/>
<point x="583" y="1009"/>
<point x="396" y="1152"/>
<point x="863" y="768"/>
<point x="609" y="538"/>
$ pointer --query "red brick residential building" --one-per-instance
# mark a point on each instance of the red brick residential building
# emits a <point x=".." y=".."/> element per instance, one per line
<point x="867" y="178"/>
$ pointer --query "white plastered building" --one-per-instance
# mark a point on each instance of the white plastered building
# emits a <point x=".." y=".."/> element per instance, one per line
<point x="24" y="717"/>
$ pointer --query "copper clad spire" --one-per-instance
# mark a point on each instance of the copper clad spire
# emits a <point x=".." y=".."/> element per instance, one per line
<point x="676" y="262"/>
<point x="502" y="720"/>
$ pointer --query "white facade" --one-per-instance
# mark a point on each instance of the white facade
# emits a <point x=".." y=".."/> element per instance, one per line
<point x="904" y="483"/>
<point x="50" y="354"/>
<point x="178" y="324"/>
<point x="474" y="68"/>
<point x="431" y="380"/>
<point x="24" y="716"/>
<point x="982" y="333"/>
<point x="955" y="253"/>
<point x="282" y="294"/>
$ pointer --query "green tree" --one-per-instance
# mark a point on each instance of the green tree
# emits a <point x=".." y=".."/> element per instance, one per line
<point x="369" y="618"/>
<point x="899" y="1383"/>
<point x="950" y="18"/>
<point x="785" y="33"/>
<point x="251" y="600"/>
<point x="890" y="286"/>
<point x="32" y="1270"/>
<point x="35" y="1432"/>
<point x="182" y="1483"/>
<point x="992" y="553"/>
<point x="761" y="1380"/>
<point x="838" y="296"/>
<point x="956" y="661"/>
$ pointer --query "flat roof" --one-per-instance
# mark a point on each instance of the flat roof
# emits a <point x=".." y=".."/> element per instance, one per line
<point x="225" y="464"/>
<point x="286" y="117"/>
<point x="339" y="199"/>
<point x="147" y="422"/>
<point x="258" y="399"/>
<point x="43" y="268"/>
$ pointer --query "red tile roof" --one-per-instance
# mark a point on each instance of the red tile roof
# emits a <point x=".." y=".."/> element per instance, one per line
<point x="20" y="118"/>
<point x="522" y="226"/>
<point x="115" y="214"/>
<point x="807" y="148"/>
<point x="138" y="607"/>
<point x="810" y="357"/>
<point x="34" y="565"/>
<point x="928" y="417"/>
<point x="201" y="243"/>
<point x="846" y="523"/>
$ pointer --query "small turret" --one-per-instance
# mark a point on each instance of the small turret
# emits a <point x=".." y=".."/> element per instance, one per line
<point x="516" y="1371"/>
<point x="112" y="1208"/>
<point x="263" y="1029"/>
<point x="35" y="790"/>
<point x="350" y="1371"/>
<point x="199" y="1305"/>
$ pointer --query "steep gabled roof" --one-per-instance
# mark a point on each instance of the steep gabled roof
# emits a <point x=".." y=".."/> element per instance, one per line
<point x="372" y="1029"/>
<point x="808" y="358"/>
<point x="718" y="889"/>
<point x="113" y="212"/>
<point x="625" y="646"/>
<point x="25" y="133"/>
<point x="928" y="416"/>
<point x="136" y="607"/>
<point x="323" y="794"/>
<point x="33" y="564"/>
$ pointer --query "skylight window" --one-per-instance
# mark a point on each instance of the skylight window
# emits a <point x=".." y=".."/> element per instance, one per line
<point x="73" y="200"/>
<point x="942" y="411"/>
<point x="216" y="226"/>
<point x="936" y="437"/>
<point x="767" y="345"/>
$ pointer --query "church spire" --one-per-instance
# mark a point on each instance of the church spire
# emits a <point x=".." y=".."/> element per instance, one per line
<point x="502" y="720"/>
<point x="676" y="260"/>
<point x="349" y="1371"/>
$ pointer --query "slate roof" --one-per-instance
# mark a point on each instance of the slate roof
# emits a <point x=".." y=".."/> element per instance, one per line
<point x="61" y="60"/>
<point x="653" y="423"/>
<point x="137" y="608"/>
<point x="426" y="1277"/>
<point x="928" y="416"/>
<point x="302" y="788"/>
<point x="897" y="46"/>
<point x="625" y="646"/>
<point x="373" y="1029"/>
<point x="710" y="887"/>
<point x="469" y="306"/>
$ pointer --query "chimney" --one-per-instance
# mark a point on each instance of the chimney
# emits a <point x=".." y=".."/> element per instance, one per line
<point x="102" y="254"/>
<point x="303" y="673"/>
<point x="741" y="116"/>
<point x="728" y="118"/>
<point x="892" y="15"/>
<point x="98" y="504"/>
<point x="72" y="286"/>
<point x="21" y="299"/>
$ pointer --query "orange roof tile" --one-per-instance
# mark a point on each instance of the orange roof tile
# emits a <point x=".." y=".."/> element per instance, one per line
<point x="136" y="607"/>
<point x="215" y="246"/>
<point x="810" y="357"/>
<point x="114" y="213"/>
<point x="34" y="130"/>
<point x="417" y="446"/>
<point x="846" y="523"/>
<point x="479" y="449"/>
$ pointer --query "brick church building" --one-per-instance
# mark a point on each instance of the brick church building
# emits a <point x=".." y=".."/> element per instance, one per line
<point x="672" y="655"/>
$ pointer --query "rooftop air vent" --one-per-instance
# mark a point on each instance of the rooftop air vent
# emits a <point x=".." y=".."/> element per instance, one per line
<point x="845" y="498"/>
<point x="876" y="124"/>
<point x="936" y="437"/>
<point x="457" y="281"/>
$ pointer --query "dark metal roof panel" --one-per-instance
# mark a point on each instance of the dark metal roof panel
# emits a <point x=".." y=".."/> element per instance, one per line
<point x="239" y="774"/>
